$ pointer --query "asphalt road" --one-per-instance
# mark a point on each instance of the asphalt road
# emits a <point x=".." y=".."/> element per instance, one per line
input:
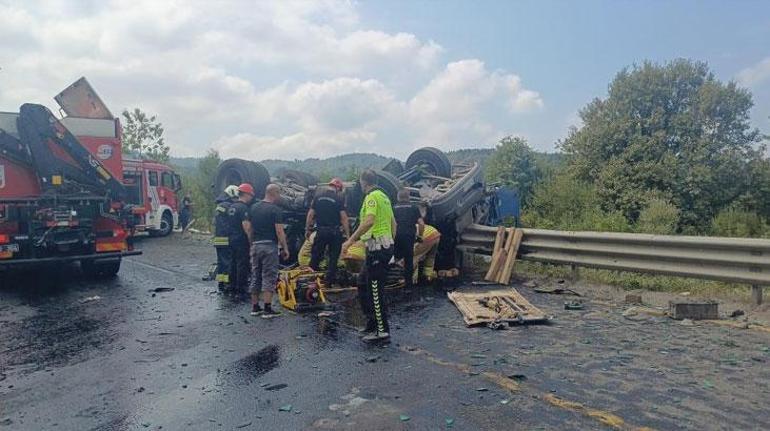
<point x="113" y="355"/>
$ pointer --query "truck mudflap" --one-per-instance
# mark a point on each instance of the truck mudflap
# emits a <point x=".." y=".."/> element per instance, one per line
<point x="95" y="257"/>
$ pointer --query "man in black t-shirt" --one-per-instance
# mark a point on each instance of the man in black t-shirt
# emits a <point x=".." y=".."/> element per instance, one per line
<point x="328" y="214"/>
<point x="409" y="228"/>
<point x="239" y="243"/>
<point x="264" y="226"/>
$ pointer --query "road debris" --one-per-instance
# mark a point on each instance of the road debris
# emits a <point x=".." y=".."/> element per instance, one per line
<point x="633" y="298"/>
<point x="404" y="418"/>
<point x="500" y="305"/>
<point x="557" y="291"/>
<point x="285" y="408"/>
<point x="574" y="305"/>
<point x="90" y="299"/>
<point x="693" y="310"/>
<point x="162" y="289"/>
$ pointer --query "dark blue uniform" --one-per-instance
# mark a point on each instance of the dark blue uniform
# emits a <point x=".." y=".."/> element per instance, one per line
<point x="222" y="228"/>
<point x="239" y="246"/>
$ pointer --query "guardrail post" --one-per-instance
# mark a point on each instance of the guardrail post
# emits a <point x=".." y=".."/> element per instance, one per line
<point x="756" y="294"/>
<point x="574" y="272"/>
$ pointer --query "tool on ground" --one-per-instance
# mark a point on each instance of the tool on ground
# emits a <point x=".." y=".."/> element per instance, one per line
<point x="301" y="289"/>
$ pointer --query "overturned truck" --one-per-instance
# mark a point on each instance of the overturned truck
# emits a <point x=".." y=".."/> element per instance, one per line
<point x="452" y="196"/>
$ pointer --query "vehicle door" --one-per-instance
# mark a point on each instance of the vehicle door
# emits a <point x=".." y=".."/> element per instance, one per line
<point x="168" y="189"/>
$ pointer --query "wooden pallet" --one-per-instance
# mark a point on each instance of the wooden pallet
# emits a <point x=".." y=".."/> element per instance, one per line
<point x="498" y="305"/>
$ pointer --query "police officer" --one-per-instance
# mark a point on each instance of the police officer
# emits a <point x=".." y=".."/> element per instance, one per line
<point x="376" y="228"/>
<point x="239" y="242"/>
<point x="410" y="227"/>
<point x="222" y="229"/>
<point x="327" y="213"/>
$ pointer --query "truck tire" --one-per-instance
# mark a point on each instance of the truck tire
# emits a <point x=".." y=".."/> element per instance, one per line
<point x="303" y="179"/>
<point x="93" y="269"/>
<point x="394" y="166"/>
<point x="389" y="184"/>
<point x="432" y="159"/>
<point x="166" y="225"/>
<point x="238" y="171"/>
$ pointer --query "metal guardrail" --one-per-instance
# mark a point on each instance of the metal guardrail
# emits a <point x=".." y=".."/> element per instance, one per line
<point x="735" y="260"/>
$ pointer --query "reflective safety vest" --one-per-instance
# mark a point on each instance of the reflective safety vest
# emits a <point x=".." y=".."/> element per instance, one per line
<point x="222" y="224"/>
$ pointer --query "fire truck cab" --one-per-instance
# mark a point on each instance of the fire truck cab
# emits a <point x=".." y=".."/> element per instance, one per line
<point x="152" y="189"/>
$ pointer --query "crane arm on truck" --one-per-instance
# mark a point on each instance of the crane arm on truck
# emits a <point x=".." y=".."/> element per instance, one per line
<point x="11" y="148"/>
<point x="37" y="127"/>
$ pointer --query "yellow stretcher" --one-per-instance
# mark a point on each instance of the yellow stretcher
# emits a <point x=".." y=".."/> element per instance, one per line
<point x="301" y="289"/>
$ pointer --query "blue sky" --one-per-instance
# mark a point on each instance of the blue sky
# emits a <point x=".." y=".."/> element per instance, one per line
<point x="298" y="78"/>
<point x="569" y="51"/>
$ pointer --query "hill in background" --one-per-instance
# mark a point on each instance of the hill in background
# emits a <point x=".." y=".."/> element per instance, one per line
<point x="342" y="165"/>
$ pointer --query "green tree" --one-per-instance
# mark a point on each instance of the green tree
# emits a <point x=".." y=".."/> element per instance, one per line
<point x="671" y="128"/>
<point x="513" y="165"/>
<point x="143" y="135"/>
<point x="199" y="184"/>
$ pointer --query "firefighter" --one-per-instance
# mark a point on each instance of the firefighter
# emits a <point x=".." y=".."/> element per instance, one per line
<point x="222" y="228"/>
<point x="327" y="214"/>
<point x="239" y="243"/>
<point x="376" y="228"/>
<point x="410" y="228"/>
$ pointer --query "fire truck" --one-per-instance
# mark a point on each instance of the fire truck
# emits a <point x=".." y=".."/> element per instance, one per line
<point x="63" y="193"/>
<point x="152" y="190"/>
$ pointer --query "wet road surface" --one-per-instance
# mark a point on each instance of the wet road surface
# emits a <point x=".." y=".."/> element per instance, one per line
<point x="115" y="355"/>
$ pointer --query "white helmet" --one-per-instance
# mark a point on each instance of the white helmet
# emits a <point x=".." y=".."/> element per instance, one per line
<point x="231" y="191"/>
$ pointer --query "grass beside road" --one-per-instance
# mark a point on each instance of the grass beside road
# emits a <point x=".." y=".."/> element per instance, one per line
<point x="632" y="281"/>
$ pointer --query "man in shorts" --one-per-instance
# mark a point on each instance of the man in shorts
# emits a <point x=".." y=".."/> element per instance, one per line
<point x="264" y="227"/>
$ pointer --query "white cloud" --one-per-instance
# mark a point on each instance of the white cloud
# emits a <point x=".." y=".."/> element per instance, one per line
<point x="756" y="74"/>
<point x="258" y="79"/>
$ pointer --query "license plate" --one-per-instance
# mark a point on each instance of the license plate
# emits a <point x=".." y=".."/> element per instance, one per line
<point x="9" y="248"/>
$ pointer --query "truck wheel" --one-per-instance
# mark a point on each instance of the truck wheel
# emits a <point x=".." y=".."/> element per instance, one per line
<point x="238" y="171"/>
<point x="394" y="166"/>
<point x="389" y="184"/>
<point x="166" y="225"/>
<point x="432" y="159"/>
<point x="93" y="269"/>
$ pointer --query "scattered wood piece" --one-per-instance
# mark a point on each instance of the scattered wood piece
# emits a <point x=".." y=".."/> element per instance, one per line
<point x="507" y="270"/>
<point x="498" y="305"/>
<point x="495" y="264"/>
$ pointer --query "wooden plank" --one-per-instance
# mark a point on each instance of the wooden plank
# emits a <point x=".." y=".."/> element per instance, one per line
<point x="502" y="257"/>
<point x="514" y="307"/>
<point x="507" y="269"/>
<point x="494" y="264"/>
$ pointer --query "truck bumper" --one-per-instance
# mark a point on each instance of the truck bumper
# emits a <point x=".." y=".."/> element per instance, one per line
<point x="96" y="257"/>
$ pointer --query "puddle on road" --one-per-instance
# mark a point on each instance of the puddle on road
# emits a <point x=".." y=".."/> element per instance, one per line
<point x="245" y="370"/>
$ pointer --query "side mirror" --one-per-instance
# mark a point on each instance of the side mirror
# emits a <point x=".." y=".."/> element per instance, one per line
<point x="177" y="183"/>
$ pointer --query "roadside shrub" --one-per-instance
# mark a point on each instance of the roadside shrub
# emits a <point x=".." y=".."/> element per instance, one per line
<point x="737" y="222"/>
<point x="559" y="202"/>
<point x="659" y="217"/>
<point x="566" y="203"/>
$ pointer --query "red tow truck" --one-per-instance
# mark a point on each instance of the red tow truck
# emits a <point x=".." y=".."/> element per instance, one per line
<point x="66" y="194"/>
